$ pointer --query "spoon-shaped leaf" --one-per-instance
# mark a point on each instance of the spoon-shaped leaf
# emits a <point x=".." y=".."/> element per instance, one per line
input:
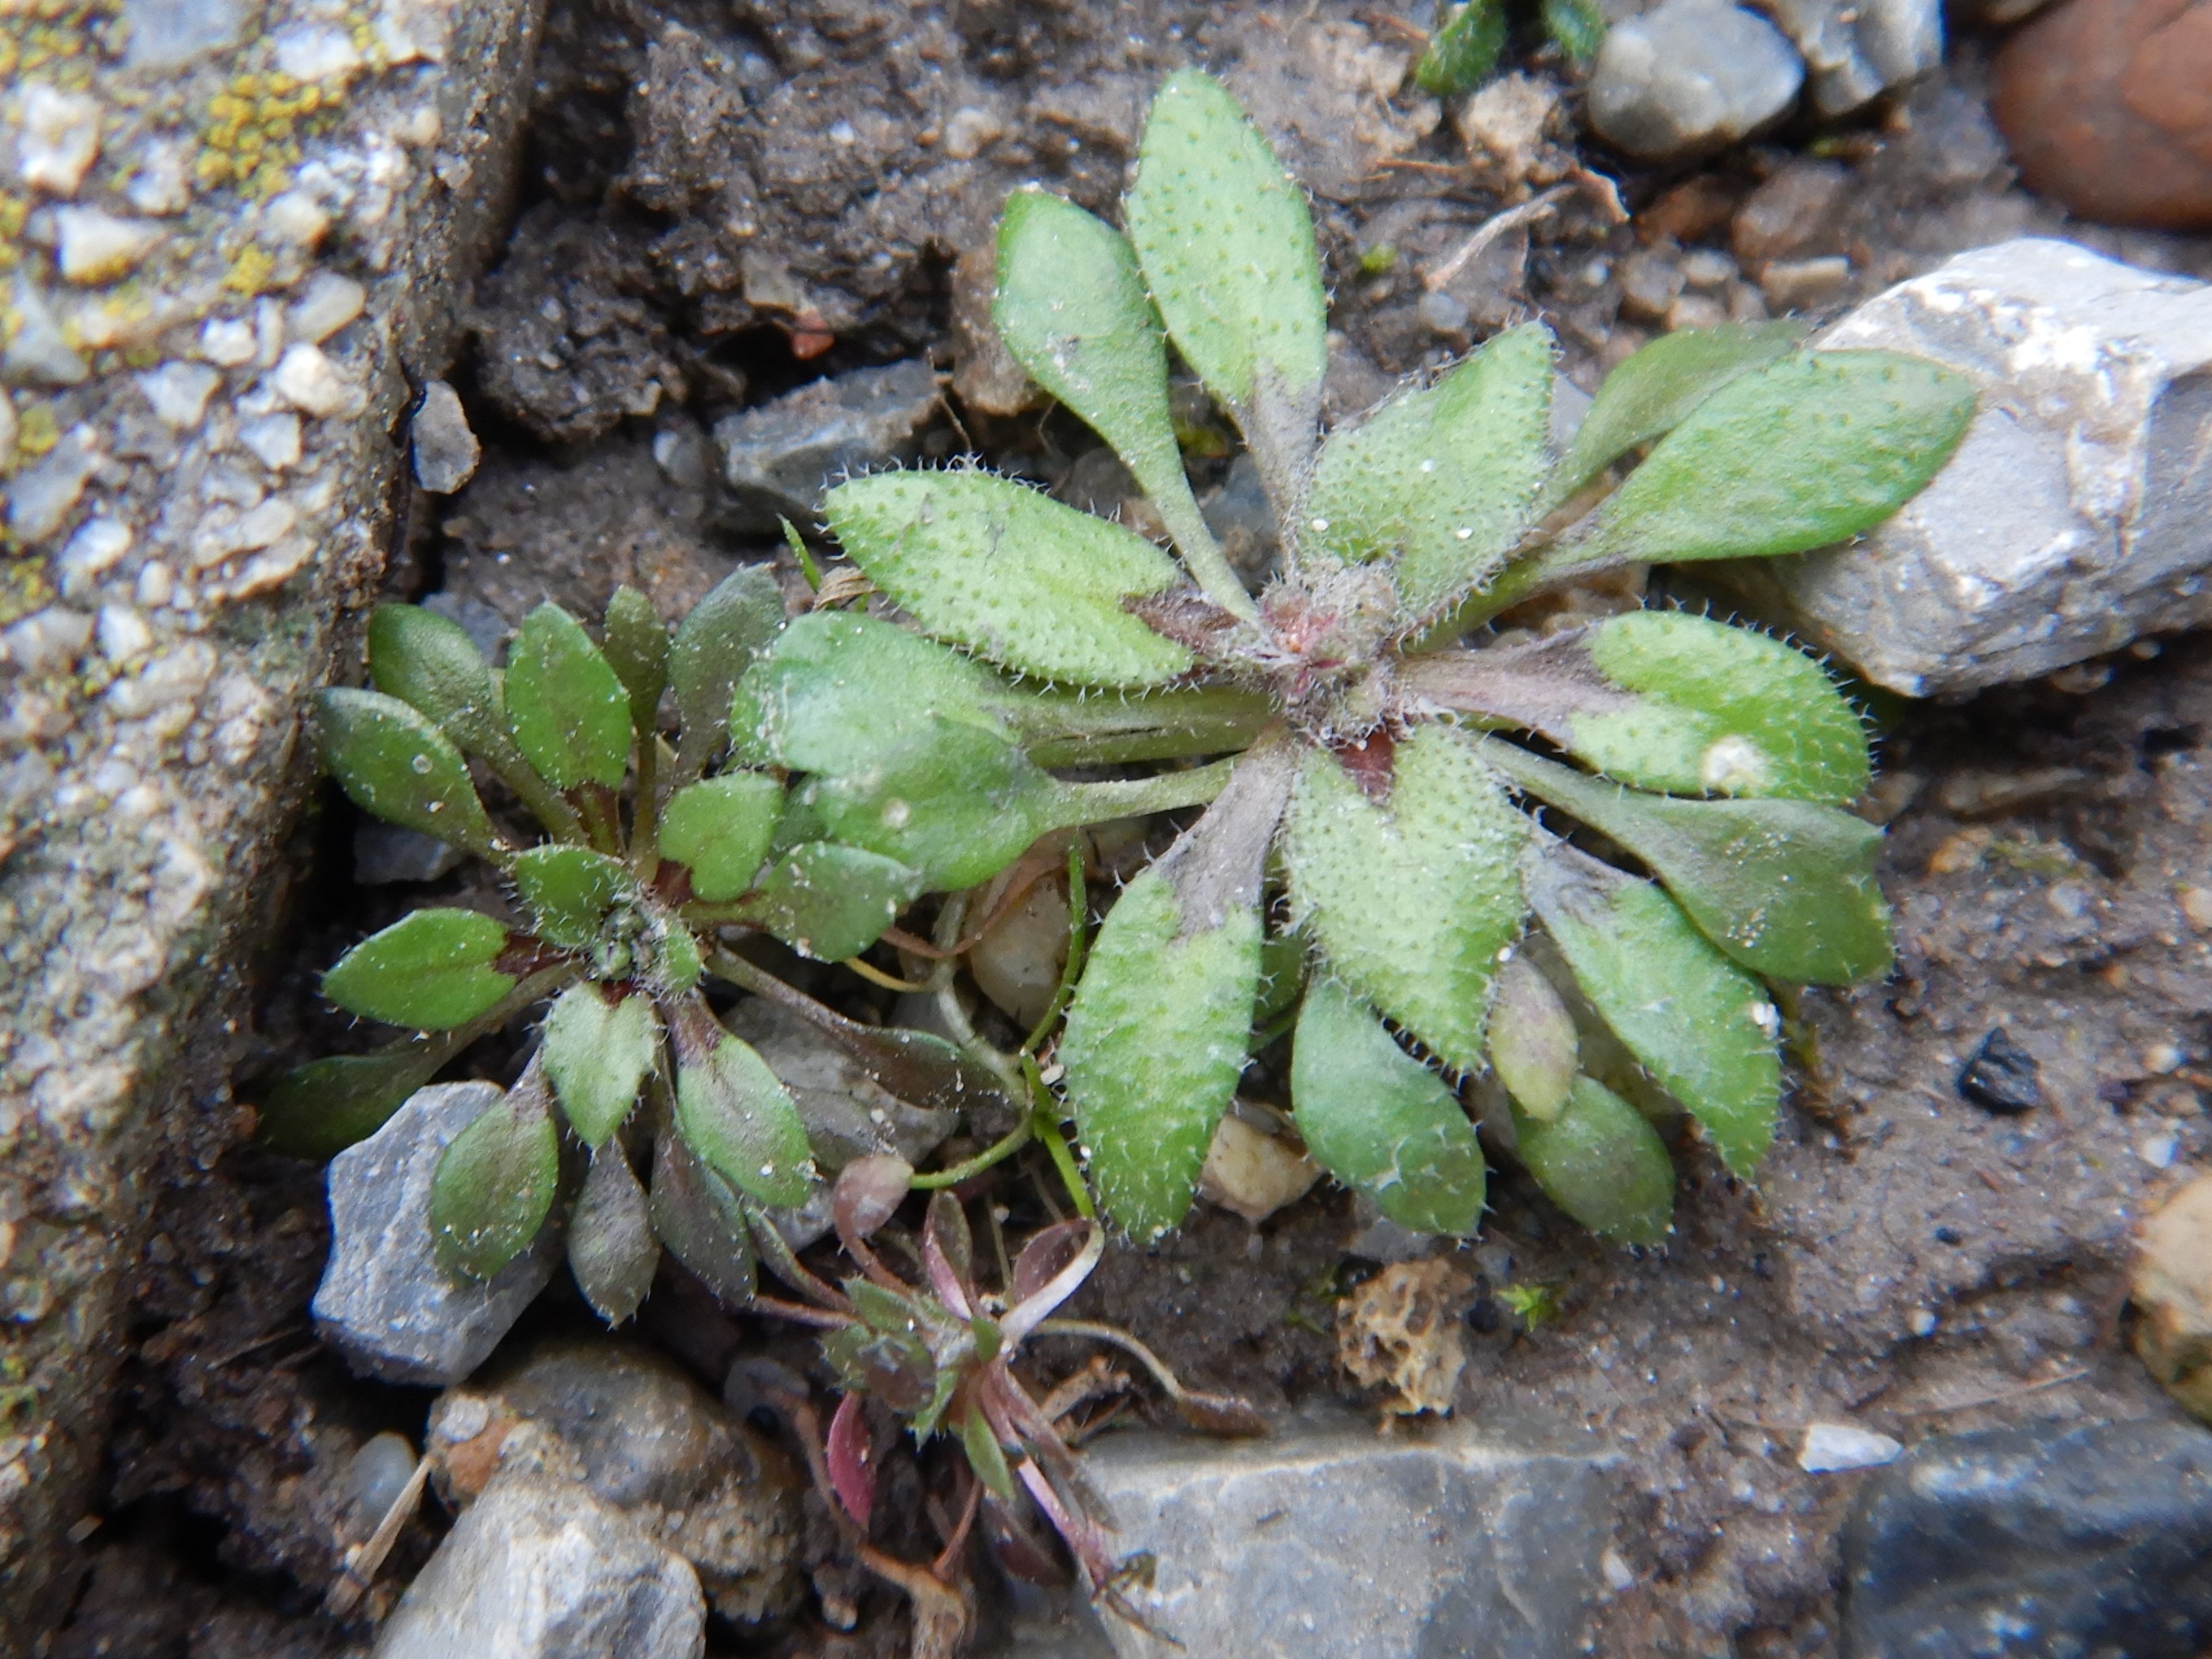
<point x="715" y="645"/>
<point x="1576" y="27"/>
<point x="1786" y="887"/>
<point x="597" y="1052"/>
<point x="569" y="890"/>
<point x="1803" y="451"/>
<point x="1695" y="1020"/>
<point x="637" y="647"/>
<point x="396" y="763"/>
<point x="831" y="902"/>
<point x="569" y="709"/>
<point x="318" y="1109"/>
<point x="1073" y="310"/>
<point x="1024" y="579"/>
<point x="1533" y="1048"/>
<point x="1651" y="391"/>
<point x="494" y="1185"/>
<point x="735" y="1114"/>
<point x="720" y="829"/>
<point x="433" y="971"/>
<point x="1379" y="1121"/>
<point x="698" y="1216"/>
<point x="1227" y="248"/>
<point x="1440" y="481"/>
<point x="1665" y="701"/>
<point x="1155" y="1040"/>
<point x="1602" y="1164"/>
<point x="1412" y="898"/>
<point x="612" y="1248"/>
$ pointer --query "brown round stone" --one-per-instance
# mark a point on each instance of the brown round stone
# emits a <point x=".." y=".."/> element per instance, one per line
<point x="2107" y="105"/>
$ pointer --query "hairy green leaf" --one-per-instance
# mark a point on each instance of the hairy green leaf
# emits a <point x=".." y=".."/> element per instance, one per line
<point x="675" y="954"/>
<point x="715" y="645"/>
<point x="596" y="1054"/>
<point x="429" y="663"/>
<point x="720" y="829"/>
<point x="1025" y="581"/>
<point x="1533" y="1045"/>
<point x="1463" y="53"/>
<point x="569" y="709"/>
<point x="742" y="1122"/>
<point x="1799" y="454"/>
<point x="956" y="802"/>
<point x="569" y="890"/>
<point x="984" y="1456"/>
<point x="1411" y="899"/>
<point x="1696" y="1021"/>
<point x="318" y="1109"/>
<point x="494" y="1187"/>
<point x="1227" y="248"/>
<point x="1441" y="481"/>
<point x="1651" y="391"/>
<point x="396" y="763"/>
<point x="1786" y="887"/>
<point x="612" y="1248"/>
<point x="1379" y="1121"/>
<point x="1154" y="1046"/>
<point x="1073" y="310"/>
<point x="1601" y="1163"/>
<point x="433" y="971"/>
<point x="637" y="649"/>
<point x="831" y="902"/>
<point x="1664" y="701"/>
<point x="698" y="1217"/>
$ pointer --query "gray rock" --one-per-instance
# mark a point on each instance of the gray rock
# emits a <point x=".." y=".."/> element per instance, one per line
<point x="1690" y="76"/>
<point x="165" y="33"/>
<point x="384" y="1303"/>
<point x="482" y="625"/>
<point x="778" y="458"/>
<point x="2041" y="1543"/>
<point x="847" y="1114"/>
<point x="1329" y="1542"/>
<point x="632" y="1426"/>
<point x="2078" y="511"/>
<point x="446" y="449"/>
<point x="384" y="852"/>
<point x="538" y="1568"/>
<point x="39" y="352"/>
<point x="41" y="497"/>
<point x="1857" y="50"/>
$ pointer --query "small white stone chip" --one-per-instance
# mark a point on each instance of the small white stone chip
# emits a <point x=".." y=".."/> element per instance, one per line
<point x="59" y="137"/>
<point x="326" y="304"/>
<point x="1831" y="1447"/>
<point x="226" y="340"/>
<point x="305" y="378"/>
<point x="96" y="247"/>
<point x="446" y="449"/>
<point x="178" y="393"/>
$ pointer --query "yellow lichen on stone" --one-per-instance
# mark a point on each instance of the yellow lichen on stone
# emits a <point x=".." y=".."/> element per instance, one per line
<point x="37" y="431"/>
<point x="250" y="269"/>
<point x="24" y="587"/>
<point x="55" y="39"/>
<point x="255" y="124"/>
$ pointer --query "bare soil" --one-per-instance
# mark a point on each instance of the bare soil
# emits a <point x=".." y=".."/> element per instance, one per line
<point x="729" y="200"/>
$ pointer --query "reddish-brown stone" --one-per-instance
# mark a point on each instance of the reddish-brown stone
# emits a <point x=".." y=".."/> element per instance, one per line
<point x="2107" y="105"/>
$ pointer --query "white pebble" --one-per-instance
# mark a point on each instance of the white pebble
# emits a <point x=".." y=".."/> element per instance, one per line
<point x="274" y="439"/>
<point x="296" y="219"/>
<point x="60" y="136"/>
<point x="446" y="449"/>
<point x="156" y="587"/>
<point x="1924" y="1322"/>
<point x="226" y="340"/>
<point x="2160" y="1149"/>
<point x="308" y="380"/>
<point x="263" y="525"/>
<point x="162" y="184"/>
<point x="1831" y="1446"/>
<point x="317" y="52"/>
<point x="98" y="247"/>
<point x="179" y="392"/>
<point x="122" y="634"/>
<point x="92" y="551"/>
<point x="969" y="130"/>
<point x="325" y="305"/>
<point x="47" y="641"/>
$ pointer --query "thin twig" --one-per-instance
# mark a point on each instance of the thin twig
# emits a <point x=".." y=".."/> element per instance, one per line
<point x="364" y="1560"/>
<point x="1489" y="231"/>
<point x="2060" y="1380"/>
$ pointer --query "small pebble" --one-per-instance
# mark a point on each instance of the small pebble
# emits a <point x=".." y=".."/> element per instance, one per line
<point x="226" y="340"/>
<point x="1707" y="267"/>
<point x="47" y="641"/>
<point x="96" y="247"/>
<point x="155" y="586"/>
<point x="326" y="304"/>
<point x="2002" y="1077"/>
<point x="1789" y="213"/>
<point x="1696" y="311"/>
<point x="1802" y="284"/>
<point x="162" y="184"/>
<point x="2162" y="1059"/>
<point x="1922" y="1323"/>
<point x="1689" y="77"/>
<point x="2196" y="905"/>
<point x="1443" y="312"/>
<point x="91" y="552"/>
<point x="969" y="131"/>
<point x="122" y="635"/>
<point x="39" y="352"/>
<point x="308" y="380"/>
<point x="2158" y="1150"/>
<point x="274" y="440"/>
<point x="178" y="393"/>
<point x="377" y="1474"/>
<point x="446" y="449"/>
<point x="58" y="138"/>
<point x="1830" y="1447"/>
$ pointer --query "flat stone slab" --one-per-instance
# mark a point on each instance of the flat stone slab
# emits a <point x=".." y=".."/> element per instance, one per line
<point x="1329" y="1540"/>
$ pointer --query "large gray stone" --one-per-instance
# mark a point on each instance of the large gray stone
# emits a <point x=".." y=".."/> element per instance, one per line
<point x="779" y="458"/>
<point x="1329" y="1541"/>
<point x="2042" y="1543"/>
<point x="1690" y="76"/>
<point x="628" y="1423"/>
<point x="2078" y="511"/>
<point x="145" y="797"/>
<point x="384" y="1303"/>
<point x="539" y="1568"/>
